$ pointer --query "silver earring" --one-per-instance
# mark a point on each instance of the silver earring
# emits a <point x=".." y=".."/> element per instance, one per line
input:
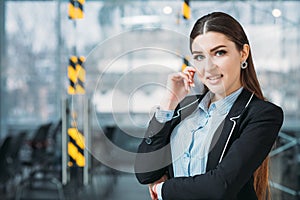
<point x="244" y="65"/>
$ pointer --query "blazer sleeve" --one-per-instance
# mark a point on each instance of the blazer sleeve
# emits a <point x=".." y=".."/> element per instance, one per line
<point x="154" y="153"/>
<point x="154" y="156"/>
<point x="258" y="132"/>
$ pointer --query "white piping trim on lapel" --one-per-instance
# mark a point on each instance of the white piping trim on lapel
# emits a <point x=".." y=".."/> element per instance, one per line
<point x="234" y="123"/>
<point x="249" y="100"/>
<point x="180" y="109"/>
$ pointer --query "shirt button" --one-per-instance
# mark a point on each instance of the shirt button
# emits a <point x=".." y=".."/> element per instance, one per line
<point x="148" y="140"/>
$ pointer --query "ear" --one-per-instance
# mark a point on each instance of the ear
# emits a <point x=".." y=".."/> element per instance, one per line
<point x="245" y="52"/>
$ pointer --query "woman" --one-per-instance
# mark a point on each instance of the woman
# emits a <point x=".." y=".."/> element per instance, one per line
<point x="215" y="145"/>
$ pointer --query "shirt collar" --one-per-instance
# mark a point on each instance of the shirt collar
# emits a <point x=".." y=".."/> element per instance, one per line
<point x="222" y="106"/>
<point x="205" y="101"/>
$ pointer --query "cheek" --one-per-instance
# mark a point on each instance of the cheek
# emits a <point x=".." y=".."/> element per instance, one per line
<point x="230" y="67"/>
<point x="231" y="74"/>
<point x="201" y="77"/>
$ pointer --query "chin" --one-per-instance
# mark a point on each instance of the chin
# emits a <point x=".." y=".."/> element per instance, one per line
<point x="217" y="89"/>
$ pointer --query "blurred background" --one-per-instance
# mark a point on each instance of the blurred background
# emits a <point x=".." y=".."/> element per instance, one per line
<point x="80" y="79"/>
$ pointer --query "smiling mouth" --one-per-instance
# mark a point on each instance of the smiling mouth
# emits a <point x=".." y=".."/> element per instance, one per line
<point x="215" y="77"/>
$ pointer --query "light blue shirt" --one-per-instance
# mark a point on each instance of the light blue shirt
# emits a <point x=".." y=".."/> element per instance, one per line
<point x="191" y="138"/>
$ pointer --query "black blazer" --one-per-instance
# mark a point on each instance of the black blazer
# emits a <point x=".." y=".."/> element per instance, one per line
<point x="238" y="148"/>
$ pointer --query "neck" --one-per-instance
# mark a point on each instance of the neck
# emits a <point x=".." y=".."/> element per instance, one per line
<point x="217" y="97"/>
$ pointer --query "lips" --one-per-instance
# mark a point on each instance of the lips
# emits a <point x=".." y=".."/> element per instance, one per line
<point x="214" y="77"/>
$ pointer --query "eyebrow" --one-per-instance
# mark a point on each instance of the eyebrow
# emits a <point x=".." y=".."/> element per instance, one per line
<point x="212" y="50"/>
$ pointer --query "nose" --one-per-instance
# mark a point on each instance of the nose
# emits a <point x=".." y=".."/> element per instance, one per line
<point x="209" y="64"/>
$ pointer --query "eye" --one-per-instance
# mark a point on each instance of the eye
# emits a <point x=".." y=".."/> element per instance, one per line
<point x="220" y="53"/>
<point x="199" y="57"/>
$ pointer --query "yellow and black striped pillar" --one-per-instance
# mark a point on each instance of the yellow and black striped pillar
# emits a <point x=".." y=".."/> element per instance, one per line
<point x="72" y="75"/>
<point x="80" y="75"/>
<point x="75" y="157"/>
<point x="186" y="10"/>
<point x="76" y="75"/>
<point x="185" y="63"/>
<point x="76" y="9"/>
<point x="76" y="145"/>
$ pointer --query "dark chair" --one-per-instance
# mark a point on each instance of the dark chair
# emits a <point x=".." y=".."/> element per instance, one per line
<point x="36" y="146"/>
<point x="10" y="165"/>
<point x="13" y="159"/>
<point x="39" y="140"/>
<point x="5" y="174"/>
<point x="42" y="176"/>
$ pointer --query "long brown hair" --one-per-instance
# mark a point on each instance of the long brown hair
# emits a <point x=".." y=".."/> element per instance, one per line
<point x="227" y="25"/>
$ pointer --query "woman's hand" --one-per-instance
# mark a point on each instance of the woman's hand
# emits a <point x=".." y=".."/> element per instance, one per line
<point x="178" y="86"/>
<point x="152" y="187"/>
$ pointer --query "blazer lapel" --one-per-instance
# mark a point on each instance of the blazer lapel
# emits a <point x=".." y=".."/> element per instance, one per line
<point x="187" y="107"/>
<point x="224" y="132"/>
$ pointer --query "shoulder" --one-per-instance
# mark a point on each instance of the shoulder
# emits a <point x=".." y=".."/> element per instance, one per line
<point x="259" y="109"/>
<point x="258" y="105"/>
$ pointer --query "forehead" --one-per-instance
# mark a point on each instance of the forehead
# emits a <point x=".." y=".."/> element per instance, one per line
<point x="210" y="40"/>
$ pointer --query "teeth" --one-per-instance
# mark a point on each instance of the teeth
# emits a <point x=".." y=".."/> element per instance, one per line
<point x="214" y="77"/>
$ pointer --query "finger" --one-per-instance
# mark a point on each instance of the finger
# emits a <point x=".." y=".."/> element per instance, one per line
<point x="188" y="74"/>
<point x="151" y="193"/>
<point x="177" y="78"/>
<point x="186" y="81"/>
<point x="186" y="85"/>
<point x="153" y="196"/>
<point x="181" y="78"/>
<point x="190" y="71"/>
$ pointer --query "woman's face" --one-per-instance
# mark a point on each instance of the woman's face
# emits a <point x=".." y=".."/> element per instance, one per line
<point x="217" y="62"/>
